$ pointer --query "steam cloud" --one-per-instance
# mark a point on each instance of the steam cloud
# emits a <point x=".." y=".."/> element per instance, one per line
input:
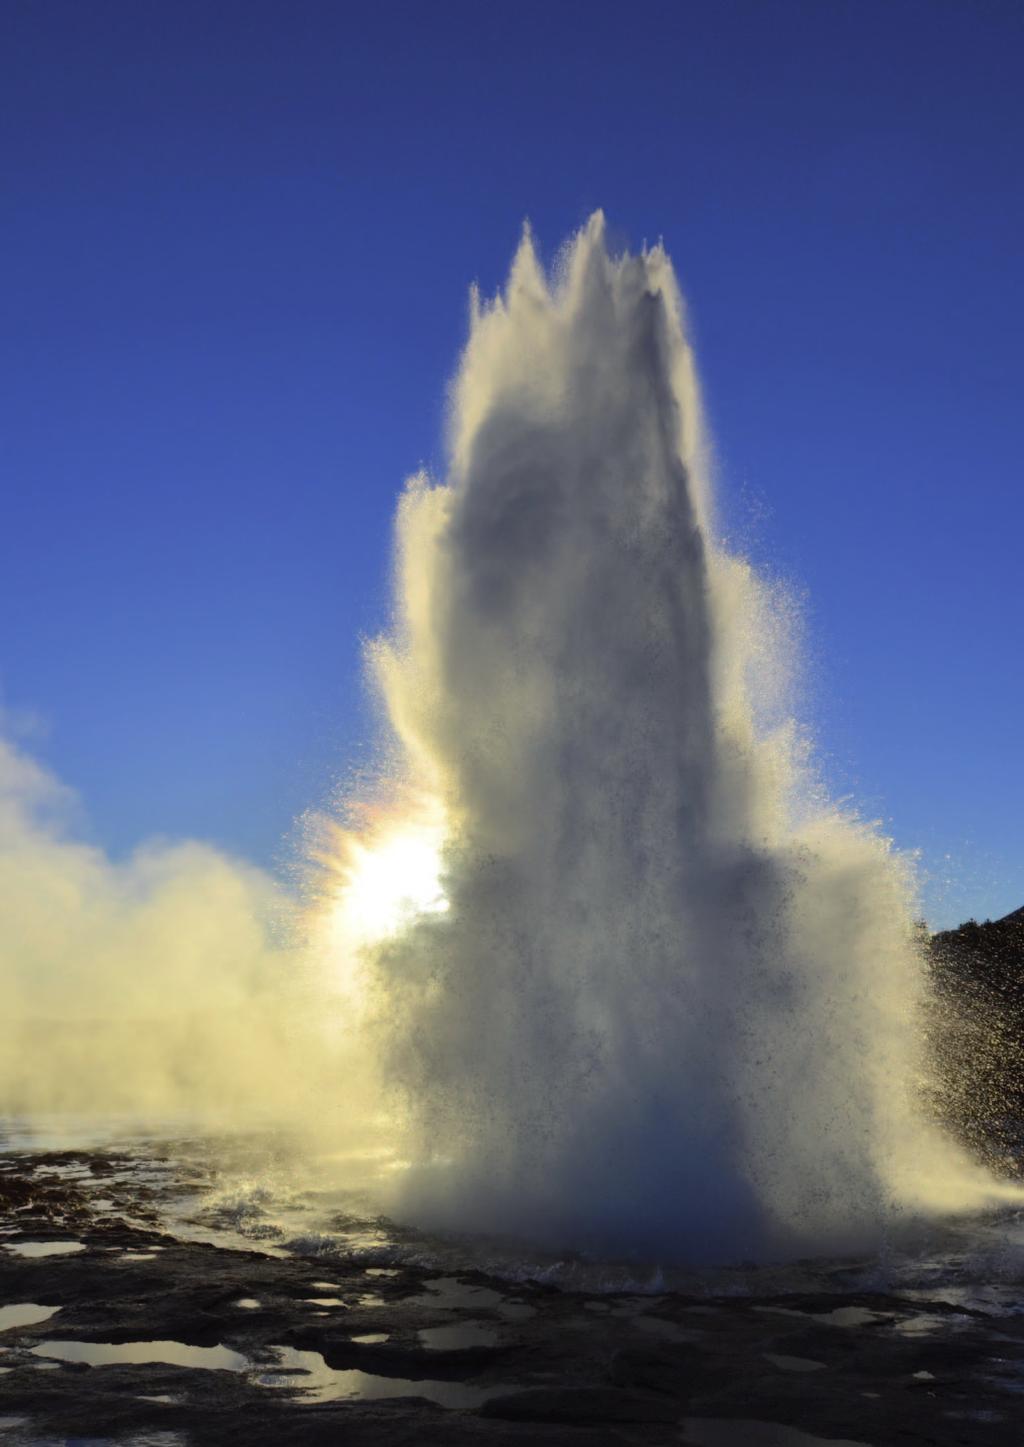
<point x="159" y="985"/>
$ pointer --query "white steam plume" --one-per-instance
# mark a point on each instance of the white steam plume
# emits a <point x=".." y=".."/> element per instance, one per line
<point x="164" y="984"/>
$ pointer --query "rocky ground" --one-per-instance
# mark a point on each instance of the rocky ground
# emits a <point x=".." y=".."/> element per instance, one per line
<point x="112" y="1330"/>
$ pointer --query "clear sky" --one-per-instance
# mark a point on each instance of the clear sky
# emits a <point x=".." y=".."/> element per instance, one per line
<point x="236" y="244"/>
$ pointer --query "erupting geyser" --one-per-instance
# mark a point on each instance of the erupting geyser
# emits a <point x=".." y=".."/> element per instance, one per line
<point x="669" y="1005"/>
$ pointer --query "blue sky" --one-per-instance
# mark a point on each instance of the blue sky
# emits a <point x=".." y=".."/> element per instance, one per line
<point x="237" y="240"/>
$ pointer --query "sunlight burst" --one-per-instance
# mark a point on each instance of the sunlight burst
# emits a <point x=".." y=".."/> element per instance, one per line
<point x="376" y="880"/>
<point x="392" y="880"/>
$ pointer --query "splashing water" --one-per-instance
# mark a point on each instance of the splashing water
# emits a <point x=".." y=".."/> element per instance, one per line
<point x="662" y="996"/>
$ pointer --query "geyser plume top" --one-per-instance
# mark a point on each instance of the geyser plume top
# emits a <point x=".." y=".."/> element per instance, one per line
<point x="668" y="1005"/>
<point x="598" y="345"/>
<point x="540" y="318"/>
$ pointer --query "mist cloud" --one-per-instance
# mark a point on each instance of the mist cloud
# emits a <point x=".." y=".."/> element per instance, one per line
<point x="168" y="982"/>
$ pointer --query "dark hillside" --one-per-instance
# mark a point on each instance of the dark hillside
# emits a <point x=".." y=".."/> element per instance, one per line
<point x="976" y="1031"/>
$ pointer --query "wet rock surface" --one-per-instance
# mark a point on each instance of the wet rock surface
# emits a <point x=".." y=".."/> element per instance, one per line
<point x="140" y="1337"/>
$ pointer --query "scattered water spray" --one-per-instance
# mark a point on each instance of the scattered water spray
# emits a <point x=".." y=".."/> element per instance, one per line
<point x="602" y="964"/>
<point x="669" y="1004"/>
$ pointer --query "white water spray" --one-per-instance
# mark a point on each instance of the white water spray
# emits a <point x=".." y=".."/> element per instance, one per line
<point x="670" y="1006"/>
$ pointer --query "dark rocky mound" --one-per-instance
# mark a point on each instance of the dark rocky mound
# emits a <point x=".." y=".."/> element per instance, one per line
<point x="976" y="1035"/>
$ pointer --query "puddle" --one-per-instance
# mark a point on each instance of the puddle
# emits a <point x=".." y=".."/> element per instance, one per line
<point x="309" y="1374"/>
<point x="924" y="1325"/>
<point x="44" y="1248"/>
<point x="448" y="1291"/>
<point x="165" y="1398"/>
<point x="138" y="1256"/>
<point x="840" y="1316"/>
<point x="372" y="1338"/>
<point x="729" y="1432"/>
<point x="630" y="1305"/>
<point x="25" y="1314"/>
<point x="137" y="1439"/>
<point x="383" y="1271"/>
<point x="306" y="1372"/>
<point x="793" y="1364"/>
<point x="852" y="1316"/>
<point x="666" y="1330"/>
<point x="330" y="1285"/>
<point x="924" y="1376"/>
<point x="248" y="1303"/>
<point x="463" y="1337"/>
<point x="325" y="1300"/>
<point x="141" y="1353"/>
<point x="516" y="1310"/>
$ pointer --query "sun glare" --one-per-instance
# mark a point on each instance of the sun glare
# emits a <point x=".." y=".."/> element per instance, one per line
<point x="391" y="881"/>
<point x="377" y="880"/>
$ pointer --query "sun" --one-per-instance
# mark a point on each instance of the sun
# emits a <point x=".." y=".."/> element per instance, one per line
<point x="375" y="881"/>
<point x="392" y="880"/>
